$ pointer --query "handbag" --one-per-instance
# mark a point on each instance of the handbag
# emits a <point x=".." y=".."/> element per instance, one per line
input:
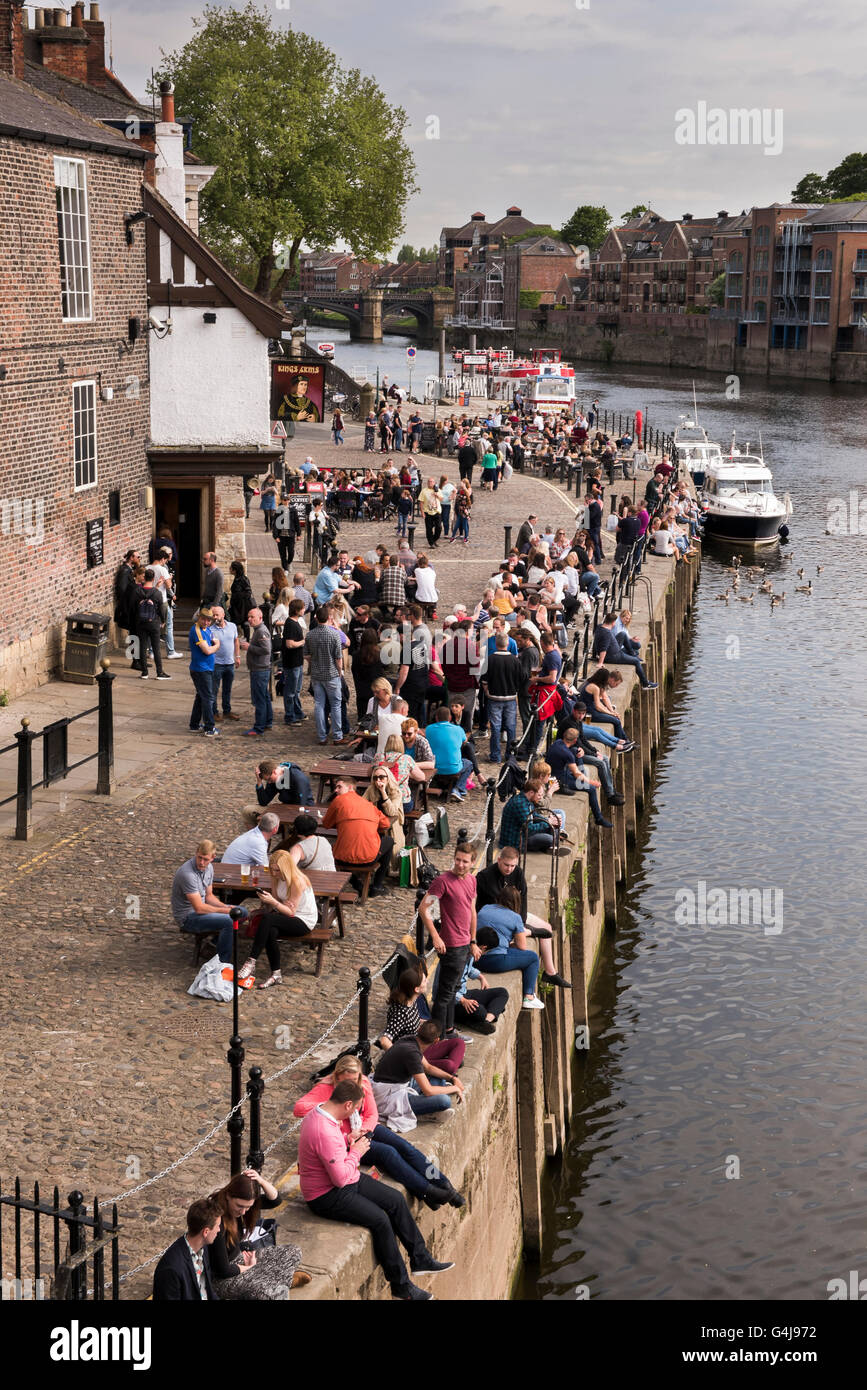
<point x="441" y="834"/>
<point x="262" y="1235"/>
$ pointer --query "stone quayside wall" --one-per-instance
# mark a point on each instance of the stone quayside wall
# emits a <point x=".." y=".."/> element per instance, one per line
<point x="518" y="1095"/>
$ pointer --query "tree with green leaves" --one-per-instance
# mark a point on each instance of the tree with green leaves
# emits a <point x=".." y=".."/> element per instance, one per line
<point x="587" y="227"/>
<point x="637" y="211"/>
<point x="844" y="183"/>
<point x="306" y="151"/>
<point x="715" y="292"/>
<point x="407" y="254"/>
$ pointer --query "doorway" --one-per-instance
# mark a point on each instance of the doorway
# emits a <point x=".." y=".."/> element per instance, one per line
<point x="181" y="510"/>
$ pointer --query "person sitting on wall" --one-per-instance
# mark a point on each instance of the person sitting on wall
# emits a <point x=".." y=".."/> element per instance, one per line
<point x="502" y="941"/>
<point x="333" y="1188"/>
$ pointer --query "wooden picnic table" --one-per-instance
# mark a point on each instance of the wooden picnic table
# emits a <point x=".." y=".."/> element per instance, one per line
<point x="331" y="888"/>
<point x="329" y="769"/>
<point x="286" y="814"/>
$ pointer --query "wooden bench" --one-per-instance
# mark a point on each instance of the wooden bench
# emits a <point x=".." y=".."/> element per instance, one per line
<point x="444" y="783"/>
<point x="363" y="872"/>
<point x="201" y="940"/>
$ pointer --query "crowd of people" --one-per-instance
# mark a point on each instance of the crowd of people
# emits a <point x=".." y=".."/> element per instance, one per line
<point x="427" y="689"/>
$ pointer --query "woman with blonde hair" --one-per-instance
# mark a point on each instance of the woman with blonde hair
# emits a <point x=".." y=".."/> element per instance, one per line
<point x="290" y="910"/>
<point x="390" y="1152"/>
<point x="387" y="795"/>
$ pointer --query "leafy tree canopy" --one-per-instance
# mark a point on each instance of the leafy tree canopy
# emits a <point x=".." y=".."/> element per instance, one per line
<point x="408" y="254"/>
<point x="587" y="226"/>
<point x="306" y="150"/>
<point x="634" y="212"/>
<point x="842" y="184"/>
<point x="715" y="292"/>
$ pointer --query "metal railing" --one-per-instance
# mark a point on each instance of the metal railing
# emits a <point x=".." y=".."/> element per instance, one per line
<point x="55" y="754"/>
<point x="77" y="1274"/>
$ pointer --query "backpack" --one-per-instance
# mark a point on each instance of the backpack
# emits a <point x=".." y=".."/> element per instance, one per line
<point x="148" y="609"/>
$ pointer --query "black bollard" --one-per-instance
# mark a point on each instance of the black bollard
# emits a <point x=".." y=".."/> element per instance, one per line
<point x="491" y="787"/>
<point x="419" y="936"/>
<point x="24" y="803"/>
<point x="255" y="1089"/>
<point x="507" y="543"/>
<point x="235" y="1054"/>
<point x="105" y="736"/>
<point x="364" y="985"/>
<point x="411" y="534"/>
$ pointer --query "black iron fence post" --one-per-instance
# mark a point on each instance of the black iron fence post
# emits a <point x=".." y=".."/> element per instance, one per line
<point x="507" y="542"/>
<point x="235" y="1055"/>
<point x="24" y="807"/>
<point x="255" y="1089"/>
<point x="419" y="936"/>
<point x="364" y="985"/>
<point x="105" y="762"/>
<point x="411" y="534"/>
<point x="491" y="786"/>
<point x="78" y="1281"/>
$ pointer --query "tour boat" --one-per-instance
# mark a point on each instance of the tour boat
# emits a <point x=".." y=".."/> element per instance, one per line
<point x="693" y="449"/>
<point x="545" y="382"/>
<point x="741" y="505"/>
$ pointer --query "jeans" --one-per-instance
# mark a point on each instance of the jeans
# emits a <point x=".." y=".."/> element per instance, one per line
<point x="513" y="959"/>
<point x="572" y="784"/>
<point x="597" y="735"/>
<point x="589" y="582"/>
<point x="330" y="692"/>
<point x="384" y="1213"/>
<point x="402" y="522"/>
<point x="203" y="705"/>
<point x="400" y="1160"/>
<point x="433" y="526"/>
<point x="170" y="630"/>
<point x="490" y="1001"/>
<point x="595" y="535"/>
<point x="198" y="922"/>
<point x="446" y="516"/>
<point x="539" y="842"/>
<point x="625" y="659"/>
<point x="603" y="767"/>
<point x="448" y="978"/>
<point x="628" y="644"/>
<point x="293" y="679"/>
<point x="261" y="698"/>
<point x="149" y="635"/>
<point x="427" y="1105"/>
<point x="603" y="717"/>
<point x="462" y="526"/>
<point x="502" y="717"/>
<point x="224" y="677"/>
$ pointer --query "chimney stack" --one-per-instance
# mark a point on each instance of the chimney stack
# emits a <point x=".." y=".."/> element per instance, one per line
<point x="11" y="38"/>
<point x="78" y="16"/>
<point x="95" y="30"/>
<point x="167" y="101"/>
<point x="62" y="46"/>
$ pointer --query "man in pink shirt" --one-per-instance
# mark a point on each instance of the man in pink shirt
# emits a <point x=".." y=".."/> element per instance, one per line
<point x="333" y="1187"/>
<point x="455" y="940"/>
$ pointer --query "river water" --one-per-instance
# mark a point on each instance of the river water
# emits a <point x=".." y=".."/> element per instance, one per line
<point x="719" y="1139"/>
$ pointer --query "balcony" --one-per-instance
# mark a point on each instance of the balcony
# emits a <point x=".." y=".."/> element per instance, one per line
<point x="791" y="316"/>
<point x="858" y="293"/>
<point x="860" y="265"/>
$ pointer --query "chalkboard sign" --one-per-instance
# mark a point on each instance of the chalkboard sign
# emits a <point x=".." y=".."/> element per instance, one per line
<point x="428" y="436"/>
<point x="94" y="533"/>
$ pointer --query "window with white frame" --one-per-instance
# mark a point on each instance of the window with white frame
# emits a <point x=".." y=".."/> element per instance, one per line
<point x="84" y="433"/>
<point x="73" y="236"/>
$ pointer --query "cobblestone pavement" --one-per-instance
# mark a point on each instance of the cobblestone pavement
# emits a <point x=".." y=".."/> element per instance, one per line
<point x="111" y="1071"/>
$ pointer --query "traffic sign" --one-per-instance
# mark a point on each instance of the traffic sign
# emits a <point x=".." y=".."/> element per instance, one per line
<point x="278" y="429"/>
<point x="410" y="354"/>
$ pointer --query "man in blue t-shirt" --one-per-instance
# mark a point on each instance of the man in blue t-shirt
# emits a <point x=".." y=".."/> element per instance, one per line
<point x="203" y="647"/>
<point x="446" y="740"/>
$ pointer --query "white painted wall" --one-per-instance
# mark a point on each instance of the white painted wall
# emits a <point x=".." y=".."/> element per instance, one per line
<point x="169" y="165"/>
<point x="209" y="383"/>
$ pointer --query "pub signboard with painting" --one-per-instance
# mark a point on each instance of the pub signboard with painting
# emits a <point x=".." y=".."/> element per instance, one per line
<point x="297" y="391"/>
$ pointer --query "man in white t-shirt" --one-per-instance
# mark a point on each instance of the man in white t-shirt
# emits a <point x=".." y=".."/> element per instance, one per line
<point x="252" y="846"/>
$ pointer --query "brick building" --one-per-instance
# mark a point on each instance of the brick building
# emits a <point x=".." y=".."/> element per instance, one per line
<point x="538" y="266"/>
<point x="74" y="395"/>
<point x="653" y="266"/>
<point x="333" y="272"/>
<point x="459" y="247"/>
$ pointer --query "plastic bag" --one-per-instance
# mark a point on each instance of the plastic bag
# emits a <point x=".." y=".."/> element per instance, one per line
<point x="210" y="983"/>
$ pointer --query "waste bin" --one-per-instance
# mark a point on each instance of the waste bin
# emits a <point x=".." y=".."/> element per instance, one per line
<point x="86" y="643"/>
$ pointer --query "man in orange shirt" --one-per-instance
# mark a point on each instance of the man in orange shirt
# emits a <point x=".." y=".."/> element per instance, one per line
<point x="362" y="833"/>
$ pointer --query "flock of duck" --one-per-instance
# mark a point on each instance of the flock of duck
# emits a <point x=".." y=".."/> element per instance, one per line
<point x="755" y="573"/>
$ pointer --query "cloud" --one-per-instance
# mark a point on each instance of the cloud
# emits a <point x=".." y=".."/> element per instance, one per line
<point x="547" y="105"/>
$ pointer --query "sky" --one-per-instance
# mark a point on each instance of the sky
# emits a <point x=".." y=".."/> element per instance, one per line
<point x="548" y="104"/>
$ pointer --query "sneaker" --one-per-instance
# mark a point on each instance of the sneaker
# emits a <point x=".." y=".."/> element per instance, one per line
<point x="432" y="1266"/>
<point x="144" y="676"/>
<point x="212" y="733"/>
<point x="651" y="685"/>
<point x="230" y="715"/>
<point x="414" y="1295"/>
<point x="254" y="733"/>
<point x="163" y="678"/>
<point x="616" y="799"/>
<point x="455" y="796"/>
<point x="486" y="1026"/>
<point x="533" y="1003"/>
<point x="174" y="656"/>
<point x="555" y="980"/>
